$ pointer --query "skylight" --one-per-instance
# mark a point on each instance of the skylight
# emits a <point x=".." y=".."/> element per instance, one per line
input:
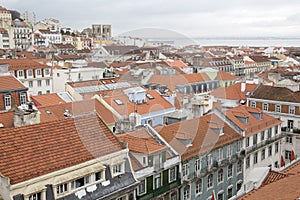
<point x="118" y="101"/>
<point x="149" y="96"/>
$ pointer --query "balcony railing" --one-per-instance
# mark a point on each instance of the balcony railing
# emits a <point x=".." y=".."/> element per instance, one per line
<point x="265" y="142"/>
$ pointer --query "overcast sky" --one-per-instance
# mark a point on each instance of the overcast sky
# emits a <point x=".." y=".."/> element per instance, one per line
<point x="192" y="18"/>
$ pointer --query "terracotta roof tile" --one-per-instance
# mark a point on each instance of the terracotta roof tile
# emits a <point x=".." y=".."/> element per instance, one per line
<point x="31" y="151"/>
<point x="141" y="142"/>
<point x="276" y="94"/>
<point x="233" y="92"/>
<point x="7" y="119"/>
<point x="18" y="64"/>
<point x="46" y="100"/>
<point x="199" y="133"/>
<point x="172" y="81"/>
<point x="285" y="187"/>
<point x="10" y="83"/>
<point x="158" y="103"/>
<point x="254" y="124"/>
<point x="272" y="177"/>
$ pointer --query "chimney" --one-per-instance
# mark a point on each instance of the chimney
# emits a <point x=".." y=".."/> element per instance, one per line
<point x="243" y="87"/>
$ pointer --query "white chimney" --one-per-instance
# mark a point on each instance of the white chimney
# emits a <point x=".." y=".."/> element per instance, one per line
<point x="243" y="87"/>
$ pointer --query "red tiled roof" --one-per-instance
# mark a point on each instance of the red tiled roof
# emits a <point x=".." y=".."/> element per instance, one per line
<point x="46" y="100"/>
<point x="233" y="92"/>
<point x="10" y="83"/>
<point x="200" y="133"/>
<point x="7" y="119"/>
<point x="18" y="64"/>
<point x="276" y="93"/>
<point x="56" y="112"/>
<point x="31" y="151"/>
<point x="172" y="81"/>
<point x="225" y="76"/>
<point x="272" y="177"/>
<point x="140" y="142"/>
<point x="158" y="103"/>
<point x="105" y="114"/>
<point x="254" y="125"/>
<point x="285" y="187"/>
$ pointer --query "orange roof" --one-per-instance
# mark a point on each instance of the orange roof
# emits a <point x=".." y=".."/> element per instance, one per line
<point x="7" y="119"/>
<point x="233" y="92"/>
<point x="32" y="151"/>
<point x="172" y="81"/>
<point x="285" y="187"/>
<point x="254" y="125"/>
<point x="105" y="114"/>
<point x="56" y="112"/>
<point x="46" y="100"/>
<point x="225" y="76"/>
<point x="10" y="83"/>
<point x="177" y="64"/>
<point x="18" y="64"/>
<point x="199" y="132"/>
<point x="158" y="103"/>
<point x="141" y="142"/>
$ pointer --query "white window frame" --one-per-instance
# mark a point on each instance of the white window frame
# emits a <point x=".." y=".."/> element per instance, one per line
<point x="23" y="98"/>
<point x="185" y="169"/>
<point x="7" y="101"/>
<point x="118" y="169"/>
<point x="265" y="106"/>
<point x="20" y="73"/>
<point x="46" y="72"/>
<point x="62" y="188"/>
<point x="186" y="193"/>
<point x="253" y="104"/>
<point x="144" y="183"/>
<point x="175" y="174"/>
<point x="155" y="183"/>
<point x="292" y="110"/>
<point x="47" y="82"/>
<point x="198" y="187"/>
<point x="38" y="72"/>
<point x="29" y="73"/>
<point x="210" y="183"/>
<point x="229" y="175"/>
<point x="220" y="176"/>
<point x="34" y="196"/>
<point x="278" y="108"/>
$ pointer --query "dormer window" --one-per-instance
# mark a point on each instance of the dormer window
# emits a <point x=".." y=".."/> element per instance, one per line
<point x="29" y="72"/>
<point x="118" y="169"/>
<point x="38" y="72"/>
<point x="47" y="72"/>
<point x="243" y="119"/>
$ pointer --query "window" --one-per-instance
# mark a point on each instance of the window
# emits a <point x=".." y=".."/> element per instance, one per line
<point x="185" y="169"/>
<point x="47" y="71"/>
<point x="80" y="182"/>
<point x="29" y="72"/>
<point x="276" y="130"/>
<point x="20" y="73"/>
<point x="30" y="84"/>
<point x="197" y="165"/>
<point x="220" y="196"/>
<point x="39" y="83"/>
<point x="253" y="104"/>
<point x="270" y="150"/>
<point x="248" y="162"/>
<point x="98" y="176"/>
<point x="62" y="188"/>
<point x="36" y="196"/>
<point x="229" y="151"/>
<point x="263" y="154"/>
<point x="220" y="175"/>
<point x="239" y="166"/>
<point x="220" y="152"/>
<point x="265" y="107"/>
<point x="47" y="82"/>
<point x="199" y="186"/>
<point x="239" y="185"/>
<point x="276" y="147"/>
<point x="186" y="192"/>
<point x="255" y="139"/>
<point x="292" y="110"/>
<point x="117" y="169"/>
<point x="210" y="181"/>
<point x="157" y="181"/>
<point x="288" y="155"/>
<point x="38" y="72"/>
<point x="229" y="192"/>
<point x="289" y="139"/>
<point x="47" y="91"/>
<point x="262" y="136"/>
<point x="57" y="74"/>
<point x="39" y="92"/>
<point x="172" y="174"/>
<point x="247" y="142"/>
<point x="229" y="170"/>
<point x="174" y="196"/>
<point x="255" y="158"/>
<point x="22" y="98"/>
<point x="278" y="108"/>
<point x="142" y="187"/>
<point x="7" y="102"/>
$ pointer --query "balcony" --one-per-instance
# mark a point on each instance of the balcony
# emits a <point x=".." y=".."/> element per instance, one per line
<point x="158" y="166"/>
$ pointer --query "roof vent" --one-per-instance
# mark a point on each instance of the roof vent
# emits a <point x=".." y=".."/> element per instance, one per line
<point x="1" y="125"/>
